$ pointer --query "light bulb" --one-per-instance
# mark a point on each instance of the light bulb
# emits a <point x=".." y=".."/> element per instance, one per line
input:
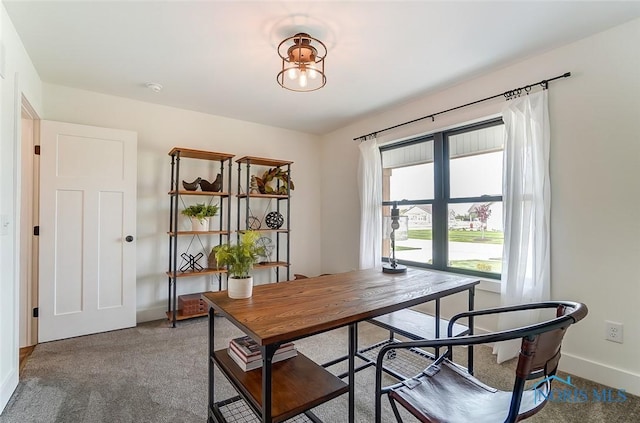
<point x="312" y="71"/>
<point x="303" y="79"/>
<point x="292" y="73"/>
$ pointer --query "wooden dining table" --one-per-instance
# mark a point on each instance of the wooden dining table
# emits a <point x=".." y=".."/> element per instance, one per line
<point x="286" y="311"/>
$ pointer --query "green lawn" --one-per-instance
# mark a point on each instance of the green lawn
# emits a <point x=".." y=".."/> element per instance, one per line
<point x="492" y="266"/>
<point x="490" y="237"/>
<point x="403" y="248"/>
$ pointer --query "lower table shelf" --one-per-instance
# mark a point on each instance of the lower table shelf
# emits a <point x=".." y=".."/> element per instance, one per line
<point x="401" y="364"/>
<point x="236" y="410"/>
<point x="292" y="394"/>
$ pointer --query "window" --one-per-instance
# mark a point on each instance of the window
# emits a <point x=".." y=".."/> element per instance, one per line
<point x="448" y="187"/>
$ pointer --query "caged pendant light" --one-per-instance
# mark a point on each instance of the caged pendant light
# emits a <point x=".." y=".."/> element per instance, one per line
<point x="302" y="63"/>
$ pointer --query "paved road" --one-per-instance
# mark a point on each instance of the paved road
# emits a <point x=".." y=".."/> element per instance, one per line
<point x="457" y="251"/>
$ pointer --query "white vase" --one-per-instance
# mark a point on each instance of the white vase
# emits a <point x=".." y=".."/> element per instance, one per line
<point x="200" y="225"/>
<point x="240" y="287"/>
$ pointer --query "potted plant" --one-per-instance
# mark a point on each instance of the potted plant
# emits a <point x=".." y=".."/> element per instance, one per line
<point x="239" y="260"/>
<point x="200" y="214"/>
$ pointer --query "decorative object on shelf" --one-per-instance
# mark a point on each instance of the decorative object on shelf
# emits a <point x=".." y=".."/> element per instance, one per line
<point x="253" y="223"/>
<point x="267" y="246"/>
<point x="302" y="63"/>
<point x="214" y="186"/>
<point x="281" y="176"/>
<point x="191" y="186"/>
<point x="246" y="353"/>
<point x="253" y="187"/>
<point x="200" y="214"/>
<point x="393" y="266"/>
<point x="274" y="220"/>
<point x="192" y="304"/>
<point x="191" y="262"/>
<point x="239" y="260"/>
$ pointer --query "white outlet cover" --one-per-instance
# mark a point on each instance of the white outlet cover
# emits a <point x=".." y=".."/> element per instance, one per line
<point x="614" y="332"/>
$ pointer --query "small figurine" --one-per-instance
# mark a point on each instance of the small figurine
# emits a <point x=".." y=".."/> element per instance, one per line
<point x="217" y="184"/>
<point x="214" y="186"/>
<point x="191" y="186"/>
<point x="253" y="187"/>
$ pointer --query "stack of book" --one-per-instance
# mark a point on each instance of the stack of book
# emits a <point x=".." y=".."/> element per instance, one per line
<point x="246" y="353"/>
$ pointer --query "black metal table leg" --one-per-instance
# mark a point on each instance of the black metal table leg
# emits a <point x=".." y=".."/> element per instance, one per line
<point x="353" y="343"/>
<point x="267" y="372"/>
<point x="211" y="368"/>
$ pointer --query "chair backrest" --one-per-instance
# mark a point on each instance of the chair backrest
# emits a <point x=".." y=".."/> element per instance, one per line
<point x="540" y="351"/>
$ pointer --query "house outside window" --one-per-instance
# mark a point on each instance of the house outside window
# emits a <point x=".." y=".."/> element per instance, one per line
<point x="448" y="187"/>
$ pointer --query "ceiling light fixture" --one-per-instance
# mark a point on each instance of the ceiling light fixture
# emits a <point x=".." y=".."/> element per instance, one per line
<point x="302" y="63"/>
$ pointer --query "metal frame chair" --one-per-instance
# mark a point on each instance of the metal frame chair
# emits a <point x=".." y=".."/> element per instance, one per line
<point x="446" y="392"/>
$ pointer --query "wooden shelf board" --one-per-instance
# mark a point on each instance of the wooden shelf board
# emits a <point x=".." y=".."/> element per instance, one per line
<point x="207" y="193"/>
<point x="197" y="273"/>
<point x="199" y="233"/>
<point x="261" y="161"/>
<point x="263" y="230"/>
<point x="270" y="264"/>
<point x="181" y="316"/>
<point x="291" y="391"/>
<point x="278" y="196"/>
<point x="199" y="154"/>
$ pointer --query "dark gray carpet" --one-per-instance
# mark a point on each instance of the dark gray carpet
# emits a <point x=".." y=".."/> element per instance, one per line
<point x="153" y="373"/>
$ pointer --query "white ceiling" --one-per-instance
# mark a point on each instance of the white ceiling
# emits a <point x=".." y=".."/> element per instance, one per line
<point x="219" y="57"/>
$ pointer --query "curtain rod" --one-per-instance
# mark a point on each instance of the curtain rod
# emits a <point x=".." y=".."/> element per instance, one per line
<point x="507" y="94"/>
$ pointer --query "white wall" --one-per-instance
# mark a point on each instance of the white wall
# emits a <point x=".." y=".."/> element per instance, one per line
<point x="161" y="128"/>
<point x="19" y="78"/>
<point x="594" y="167"/>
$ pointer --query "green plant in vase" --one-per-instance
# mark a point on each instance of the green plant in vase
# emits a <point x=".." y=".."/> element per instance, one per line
<point x="239" y="259"/>
<point x="200" y="214"/>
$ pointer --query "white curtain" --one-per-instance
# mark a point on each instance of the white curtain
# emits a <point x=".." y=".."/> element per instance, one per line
<point x="527" y="203"/>
<point x="370" y="187"/>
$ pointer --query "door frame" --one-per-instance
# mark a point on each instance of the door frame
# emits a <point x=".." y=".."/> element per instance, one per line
<point x="29" y="200"/>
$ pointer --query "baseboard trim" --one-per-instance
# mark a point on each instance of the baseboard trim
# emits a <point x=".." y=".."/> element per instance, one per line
<point x="600" y="373"/>
<point x="9" y="385"/>
<point x="150" y="314"/>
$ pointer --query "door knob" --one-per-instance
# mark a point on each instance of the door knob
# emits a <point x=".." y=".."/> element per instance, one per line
<point x="129" y="238"/>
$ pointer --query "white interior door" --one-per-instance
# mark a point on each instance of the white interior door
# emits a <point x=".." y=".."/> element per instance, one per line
<point x="87" y="278"/>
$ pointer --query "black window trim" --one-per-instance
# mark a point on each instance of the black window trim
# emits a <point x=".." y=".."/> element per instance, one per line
<point x="439" y="204"/>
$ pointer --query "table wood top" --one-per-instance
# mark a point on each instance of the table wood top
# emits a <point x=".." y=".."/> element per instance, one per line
<point x="291" y="310"/>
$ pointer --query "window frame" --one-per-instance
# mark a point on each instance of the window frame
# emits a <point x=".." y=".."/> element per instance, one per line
<point x="442" y="198"/>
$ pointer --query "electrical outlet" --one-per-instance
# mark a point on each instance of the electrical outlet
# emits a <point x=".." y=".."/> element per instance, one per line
<point x="613" y="331"/>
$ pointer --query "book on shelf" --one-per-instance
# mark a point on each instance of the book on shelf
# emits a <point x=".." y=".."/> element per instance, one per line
<point x="246" y="346"/>
<point x="256" y="364"/>
<point x="246" y="353"/>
